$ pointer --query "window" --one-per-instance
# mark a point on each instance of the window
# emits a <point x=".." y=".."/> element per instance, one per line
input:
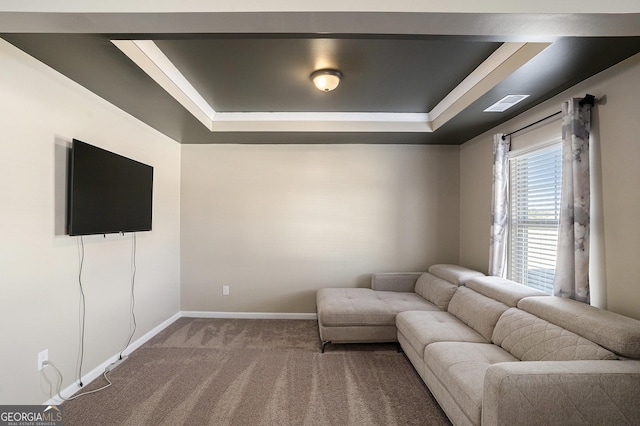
<point x="535" y="185"/>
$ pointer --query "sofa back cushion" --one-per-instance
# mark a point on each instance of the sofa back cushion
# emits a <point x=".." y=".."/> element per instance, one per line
<point x="530" y="338"/>
<point x="435" y="290"/>
<point x="477" y="311"/>
<point x="501" y="289"/>
<point x="455" y="274"/>
<point x="615" y="332"/>
<point x="394" y="281"/>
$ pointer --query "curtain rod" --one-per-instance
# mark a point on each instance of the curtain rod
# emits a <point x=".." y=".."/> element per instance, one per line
<point x="587" y="100"/>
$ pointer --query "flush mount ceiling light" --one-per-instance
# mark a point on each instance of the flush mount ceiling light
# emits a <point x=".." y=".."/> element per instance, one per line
<point x="326" y="80"/>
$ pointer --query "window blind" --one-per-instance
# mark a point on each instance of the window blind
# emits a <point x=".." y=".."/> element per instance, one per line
<point x="535" y="186"/>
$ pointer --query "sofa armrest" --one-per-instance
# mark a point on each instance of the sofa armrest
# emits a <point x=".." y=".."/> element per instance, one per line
<point x="562" y="393"/>
<point x="395" y="281"/>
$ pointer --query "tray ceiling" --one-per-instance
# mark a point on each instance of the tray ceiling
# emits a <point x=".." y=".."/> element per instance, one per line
<point x="246" y="87"/>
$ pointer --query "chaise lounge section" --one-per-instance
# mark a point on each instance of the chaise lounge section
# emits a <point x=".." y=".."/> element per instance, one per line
<point x="365" y="315"/>
<point x="496" y="352"/>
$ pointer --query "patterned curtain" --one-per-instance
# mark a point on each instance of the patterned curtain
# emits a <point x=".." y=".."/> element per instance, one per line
<point x="500" y="206"/>
<point x="572" y="260"/>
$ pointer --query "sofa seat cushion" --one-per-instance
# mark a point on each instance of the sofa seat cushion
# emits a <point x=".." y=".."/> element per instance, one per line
<point x="400" y="302"/>
<point x="530" y="338"/>
<point x="421" y="328"/>
<point x="365" y="307"/>
<point x="460" y="367"/>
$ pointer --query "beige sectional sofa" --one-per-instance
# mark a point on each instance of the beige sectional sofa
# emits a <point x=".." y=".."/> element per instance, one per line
<point x="360" y="315"/>
<point x="495" y="352"/>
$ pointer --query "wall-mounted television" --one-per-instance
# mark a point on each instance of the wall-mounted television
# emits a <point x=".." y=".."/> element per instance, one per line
<point x="108" y="193"/>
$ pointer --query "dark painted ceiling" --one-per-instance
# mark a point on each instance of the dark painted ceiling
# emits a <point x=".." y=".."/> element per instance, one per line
<point x="272" y="74"/>
<point x="269" y="72"/>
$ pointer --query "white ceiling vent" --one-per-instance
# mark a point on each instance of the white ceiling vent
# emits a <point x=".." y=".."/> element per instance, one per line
<point x="506" y="103"/>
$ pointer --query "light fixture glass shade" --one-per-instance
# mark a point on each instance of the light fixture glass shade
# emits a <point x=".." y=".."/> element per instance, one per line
<point x="326" y="80"/>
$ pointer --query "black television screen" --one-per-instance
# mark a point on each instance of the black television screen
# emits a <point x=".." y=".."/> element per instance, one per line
<point x="108" y="193"/>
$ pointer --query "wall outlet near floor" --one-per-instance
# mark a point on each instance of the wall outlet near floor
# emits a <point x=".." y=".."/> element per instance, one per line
<point x="115" y="363"/>
<point x="43" y="357"/>
<point x="225" y="290"/>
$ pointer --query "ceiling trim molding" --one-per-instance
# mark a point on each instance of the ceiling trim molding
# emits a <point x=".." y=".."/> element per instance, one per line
<point x="322" y="116"/>
<point x="502" y="63"/>
<point x="147" y="55"/>
<point x="504" y="52"/>
<point x="321" y="121"/>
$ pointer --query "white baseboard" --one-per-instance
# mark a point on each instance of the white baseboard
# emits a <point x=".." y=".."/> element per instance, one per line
<point x="249" y="315"/>
<point x="99" y="370"/>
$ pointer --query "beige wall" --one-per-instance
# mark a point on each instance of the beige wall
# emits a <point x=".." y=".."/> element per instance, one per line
<point x="617" y="179"/>
<point x="40" y="112"/>
<point x="275" y="223"/>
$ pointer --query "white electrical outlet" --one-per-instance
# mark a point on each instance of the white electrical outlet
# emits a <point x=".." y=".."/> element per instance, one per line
<point x="42" y="358"/>
<point x="115" y="363"/>
<point x="225" y="290"/>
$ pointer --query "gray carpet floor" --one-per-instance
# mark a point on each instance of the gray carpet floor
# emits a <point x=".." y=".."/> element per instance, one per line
<point x="256" y="372"/>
